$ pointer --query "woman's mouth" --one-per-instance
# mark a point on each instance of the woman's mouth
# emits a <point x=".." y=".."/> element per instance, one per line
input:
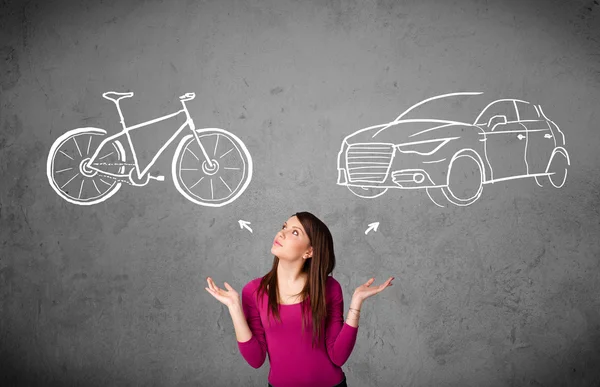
<point x="276" y="243"/>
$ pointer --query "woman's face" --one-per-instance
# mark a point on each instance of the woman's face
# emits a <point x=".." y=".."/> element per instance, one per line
<point x="291" y="242"/>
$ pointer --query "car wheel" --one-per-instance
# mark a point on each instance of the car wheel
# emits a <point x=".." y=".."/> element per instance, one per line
<point x="437" y="196"/>
<point x="557" y="167"/>
<point x="464" y="182"/>
<point x="367" y="192"/>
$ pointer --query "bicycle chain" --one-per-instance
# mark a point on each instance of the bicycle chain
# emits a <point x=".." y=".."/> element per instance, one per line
<point x="113" y="164"/>
<point x="114" y="178"/>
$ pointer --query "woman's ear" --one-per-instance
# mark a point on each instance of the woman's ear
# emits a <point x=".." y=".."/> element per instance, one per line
<point x="309" y="253"/>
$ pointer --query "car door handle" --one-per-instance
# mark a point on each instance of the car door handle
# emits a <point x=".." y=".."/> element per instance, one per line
<point x="547" y="135"/>
<point x="520" y="136"/>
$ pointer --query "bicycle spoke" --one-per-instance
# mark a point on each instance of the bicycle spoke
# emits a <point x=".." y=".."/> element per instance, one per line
<point x="81" y="189"/>
<point x="216" y="143"/>
<point x="77" y="145"/>
<point x="87" y="152"/>
<point x="70" y="180"/>
<point x="212" y="194"/>
<point x="105" y="182"/>
<point x="103" y="157"/>
<point x="235" y="169"/>
<point x="66" y="155"/>
<point x="225" y="184"/>
<point x="226" y="153"/>
<point x="189" y="150"/>
<point x="189" y="169"/>
<point x="62" y="170"/>
<point x="93" y="181"/>
<point x="197" y="182"/>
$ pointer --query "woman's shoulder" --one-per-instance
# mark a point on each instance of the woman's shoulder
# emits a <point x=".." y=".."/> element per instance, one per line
<point x="253" y="283"/>
<point x="332" y="286"/>
<point x="332" y="281"/>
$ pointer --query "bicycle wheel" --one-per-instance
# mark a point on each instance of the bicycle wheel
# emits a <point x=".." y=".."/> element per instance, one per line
<point x="68" y="171"/>
<point x="214" y="183"/>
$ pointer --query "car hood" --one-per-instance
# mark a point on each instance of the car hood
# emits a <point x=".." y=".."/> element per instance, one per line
<point x="398" y="132"/>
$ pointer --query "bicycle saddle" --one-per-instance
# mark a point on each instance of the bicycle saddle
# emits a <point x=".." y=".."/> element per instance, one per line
<point x="187" y="96"/>
<point x="114" y="96"/>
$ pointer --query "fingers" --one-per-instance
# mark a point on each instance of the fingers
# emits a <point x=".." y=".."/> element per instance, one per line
<point x="386" y="283"/>
<point x="382" y="286"/>
<point x="211" y="284"/>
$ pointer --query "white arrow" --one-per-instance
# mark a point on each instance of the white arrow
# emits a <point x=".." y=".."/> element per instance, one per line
<point x="243" y="224"/>
<point x="372" y="226"/>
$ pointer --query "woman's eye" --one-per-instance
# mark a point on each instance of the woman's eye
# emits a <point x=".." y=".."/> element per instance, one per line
<point x="295" y="232"/>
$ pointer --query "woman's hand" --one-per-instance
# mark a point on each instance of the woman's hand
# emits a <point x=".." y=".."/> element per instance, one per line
<point x="364" y="291"/>
<point x="228" y="297"/>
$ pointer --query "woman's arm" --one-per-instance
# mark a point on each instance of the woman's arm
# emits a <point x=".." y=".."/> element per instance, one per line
<point x="339" y="337"/>
<point x="249" y="331"/>
<point x="242" y="330"/>
<point x="354" y="312"/>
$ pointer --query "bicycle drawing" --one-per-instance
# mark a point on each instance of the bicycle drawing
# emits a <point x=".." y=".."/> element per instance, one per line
<point x="210" y="167"/>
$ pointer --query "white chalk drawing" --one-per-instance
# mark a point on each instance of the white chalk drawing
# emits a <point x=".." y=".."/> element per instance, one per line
<point x="211" y="166"/>
<point x="372" y="226"/>
<point x="244" y="224"/>
<point x="453" y="159"/>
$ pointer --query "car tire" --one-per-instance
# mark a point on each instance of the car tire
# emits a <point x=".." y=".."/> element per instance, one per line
<point x="464" y="181"/>
<point x="437" y="196"/>
<point x="367" y="192"/>
<point x="558" y="167"/>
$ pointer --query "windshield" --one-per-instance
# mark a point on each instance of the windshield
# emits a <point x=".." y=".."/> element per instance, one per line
<point x="459" y="107"/>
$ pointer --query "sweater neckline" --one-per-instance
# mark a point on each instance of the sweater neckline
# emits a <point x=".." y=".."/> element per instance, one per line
<point x="296" y="303"/>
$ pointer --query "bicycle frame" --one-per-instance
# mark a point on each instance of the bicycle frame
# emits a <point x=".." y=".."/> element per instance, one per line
<point x="188" y="122"/>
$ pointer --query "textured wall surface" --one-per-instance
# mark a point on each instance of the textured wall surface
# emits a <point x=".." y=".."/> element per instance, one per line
<point x="504" y="292"/>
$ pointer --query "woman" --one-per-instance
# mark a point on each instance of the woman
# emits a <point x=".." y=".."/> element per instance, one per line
<point x="295" y="297"/>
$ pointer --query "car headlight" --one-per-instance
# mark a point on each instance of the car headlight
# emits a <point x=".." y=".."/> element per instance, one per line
<point x="425" y="148"/>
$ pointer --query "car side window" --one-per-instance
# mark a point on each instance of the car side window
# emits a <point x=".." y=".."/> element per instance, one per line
<point x="527" y="112"/>
<point x="504" y="108"/>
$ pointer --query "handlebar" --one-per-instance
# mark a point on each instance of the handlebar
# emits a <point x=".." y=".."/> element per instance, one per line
<point x="187" y="96"/>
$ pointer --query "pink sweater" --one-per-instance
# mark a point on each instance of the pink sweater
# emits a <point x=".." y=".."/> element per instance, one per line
<point x="294" y="363"/>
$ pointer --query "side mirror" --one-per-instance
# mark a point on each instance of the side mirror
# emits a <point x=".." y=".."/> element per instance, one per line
<point x="495" y="120"/>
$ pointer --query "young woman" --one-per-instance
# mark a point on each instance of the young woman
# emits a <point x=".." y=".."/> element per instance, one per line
<point x="295" y="312"/>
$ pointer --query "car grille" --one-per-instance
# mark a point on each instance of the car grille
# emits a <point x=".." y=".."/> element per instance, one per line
<point x="369" y="162"/>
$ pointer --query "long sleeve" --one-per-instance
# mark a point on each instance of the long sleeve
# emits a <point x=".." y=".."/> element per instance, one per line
<point x="255" y="349"/>
<point x="339" y="336"/>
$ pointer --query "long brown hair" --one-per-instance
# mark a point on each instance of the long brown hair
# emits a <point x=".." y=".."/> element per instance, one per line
<point x="318" y="268"/>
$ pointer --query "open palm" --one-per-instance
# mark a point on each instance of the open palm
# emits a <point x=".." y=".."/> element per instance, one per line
<point x="228" y="297"/>
<point x="364" y="291"/>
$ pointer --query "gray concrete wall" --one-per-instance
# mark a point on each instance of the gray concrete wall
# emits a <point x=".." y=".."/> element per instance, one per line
<point x="503" y="292"/>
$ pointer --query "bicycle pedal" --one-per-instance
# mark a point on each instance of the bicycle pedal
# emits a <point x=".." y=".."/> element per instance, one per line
<point x="159" y="178"/>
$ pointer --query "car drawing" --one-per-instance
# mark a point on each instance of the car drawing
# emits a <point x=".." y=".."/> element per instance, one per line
<point x="452" y="159"/>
